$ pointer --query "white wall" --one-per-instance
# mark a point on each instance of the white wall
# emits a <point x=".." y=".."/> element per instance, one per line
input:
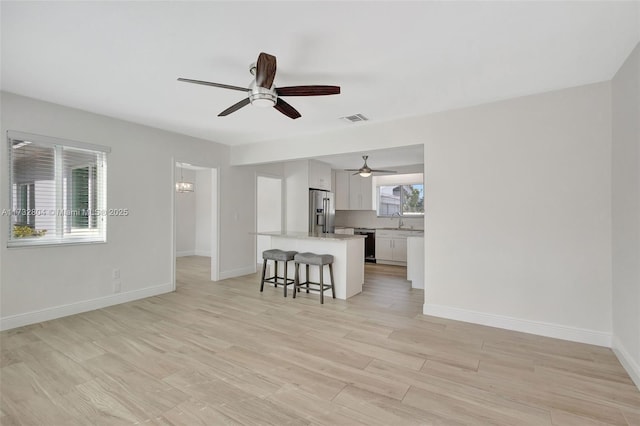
<point x="518" y="223"/>
<point x="297" y="195"/>
<point x="269" y="198"/>
<point x="185" y="216"/>
<point x="269" y="214"/>
<point x="358" y="139"/>
<point x="202" y="210"/>
<point x="626" y="214"/>
<point x="44" y="282"/>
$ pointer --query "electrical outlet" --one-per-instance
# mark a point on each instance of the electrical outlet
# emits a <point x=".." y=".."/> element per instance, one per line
<point x="117" y="286"/>
<point x="116" y="274"/>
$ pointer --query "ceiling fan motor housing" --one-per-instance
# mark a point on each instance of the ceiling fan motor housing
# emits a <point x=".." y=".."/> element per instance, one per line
<point x="262" y="97"/>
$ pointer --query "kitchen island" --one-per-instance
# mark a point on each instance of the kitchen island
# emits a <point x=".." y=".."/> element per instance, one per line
<point x="347" y="251"/>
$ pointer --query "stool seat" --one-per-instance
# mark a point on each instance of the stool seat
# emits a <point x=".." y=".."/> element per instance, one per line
<point x="277" y="254"/>
<point x="313" y="258"/>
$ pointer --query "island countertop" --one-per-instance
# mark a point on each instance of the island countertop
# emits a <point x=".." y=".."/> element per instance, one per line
<point x="311" y="236"/>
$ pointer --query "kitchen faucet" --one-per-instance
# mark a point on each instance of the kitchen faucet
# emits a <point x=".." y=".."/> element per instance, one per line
<point x="400" y="222"/>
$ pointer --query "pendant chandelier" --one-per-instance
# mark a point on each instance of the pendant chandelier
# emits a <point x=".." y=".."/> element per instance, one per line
<point x="182" y="186"/>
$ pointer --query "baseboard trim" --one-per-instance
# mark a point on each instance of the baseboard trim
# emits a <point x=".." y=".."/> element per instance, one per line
<point x="19" y="320"/>
<point x="185" y="253"/>
<point x="629" y="364"/>
<point x="202" y="253"/>
<point x="391" y="262"/>
<point x="557" y="331"/>
<point x="237" y="272"/>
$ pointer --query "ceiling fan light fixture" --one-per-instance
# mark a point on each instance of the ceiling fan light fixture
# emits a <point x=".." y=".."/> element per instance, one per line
<point x="261" y="97"/>
<point x="365" y="174"/>
<point x="263" y="102"/>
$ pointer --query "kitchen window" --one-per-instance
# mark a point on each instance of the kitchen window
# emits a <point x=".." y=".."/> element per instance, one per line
<point x="57" y="191"/>
<point x="401" y="200"/>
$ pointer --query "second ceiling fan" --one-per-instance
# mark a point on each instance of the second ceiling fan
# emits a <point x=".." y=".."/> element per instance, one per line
<point x="262" y="91"/>
<point x="366" y="171"/>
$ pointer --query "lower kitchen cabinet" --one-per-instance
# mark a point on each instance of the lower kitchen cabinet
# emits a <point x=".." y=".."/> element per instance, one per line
<point x="391" y="246"/>
<point x="384" y="249"/>
<point x="399" y="249"/>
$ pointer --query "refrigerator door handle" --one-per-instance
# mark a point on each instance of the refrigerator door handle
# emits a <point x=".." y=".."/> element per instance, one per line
<point x="329" y="221"/>
<point x="325" y="205"/>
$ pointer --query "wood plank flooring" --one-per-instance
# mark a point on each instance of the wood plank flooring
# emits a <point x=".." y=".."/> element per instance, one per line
<point x="224" y="353"/>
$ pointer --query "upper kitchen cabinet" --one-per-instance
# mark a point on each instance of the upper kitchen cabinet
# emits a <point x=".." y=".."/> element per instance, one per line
<point x="360" y="197"/>
<point x="342" y="190"/>
<point x="319" y="175"/>
<point x="353" y="192"/>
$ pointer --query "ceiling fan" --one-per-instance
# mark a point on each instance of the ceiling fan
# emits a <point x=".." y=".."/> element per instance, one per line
<point x="262" y="92"/>
<point x="366" y="171"/>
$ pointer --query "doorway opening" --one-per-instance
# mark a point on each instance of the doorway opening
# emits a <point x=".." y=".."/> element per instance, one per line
<point x="196" y="221"/>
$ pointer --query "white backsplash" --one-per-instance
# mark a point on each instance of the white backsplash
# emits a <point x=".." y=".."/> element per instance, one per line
<point x="369" y="219"/>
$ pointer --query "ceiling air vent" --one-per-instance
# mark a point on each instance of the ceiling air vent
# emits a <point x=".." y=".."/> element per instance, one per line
<point x="354" y="118"/>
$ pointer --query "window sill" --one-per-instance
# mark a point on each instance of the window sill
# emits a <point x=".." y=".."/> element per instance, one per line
<point x="34" y="244"/>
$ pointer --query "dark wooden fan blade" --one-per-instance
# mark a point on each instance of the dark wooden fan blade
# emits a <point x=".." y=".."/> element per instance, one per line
<point x="286" y="109"/>
<point x="308" y="90"/>
<point x="208" y="83"/>
<point x="265" y="70"/>
<point x="383" y="171"/>
<point x="351" y="170"/>
<point x="234" y="107"/>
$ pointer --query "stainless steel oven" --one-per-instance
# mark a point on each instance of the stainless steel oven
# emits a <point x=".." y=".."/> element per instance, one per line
<point x="369" y="243"/>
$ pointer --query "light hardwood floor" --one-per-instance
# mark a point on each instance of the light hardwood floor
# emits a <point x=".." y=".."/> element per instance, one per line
<point x="224" y="353"/>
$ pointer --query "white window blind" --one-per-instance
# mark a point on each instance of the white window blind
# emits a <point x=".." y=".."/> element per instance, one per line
<point x="58" y="191"/>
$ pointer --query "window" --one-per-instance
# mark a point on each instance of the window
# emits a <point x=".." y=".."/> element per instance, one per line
<point x="404" y="200"/>
<point x="58" y="191"/>
<point x="26" y="202"/>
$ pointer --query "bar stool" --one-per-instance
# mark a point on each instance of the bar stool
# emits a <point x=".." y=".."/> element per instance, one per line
<point x="277" y="255"/>
<point x="313" y="259"/>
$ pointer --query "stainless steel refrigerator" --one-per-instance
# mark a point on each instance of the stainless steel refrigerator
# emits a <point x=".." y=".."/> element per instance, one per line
<point x="322" y="212"/>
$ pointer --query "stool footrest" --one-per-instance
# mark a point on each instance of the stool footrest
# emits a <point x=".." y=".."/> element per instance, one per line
<point x="325" y="287"/>
<point x="279" y="280"/>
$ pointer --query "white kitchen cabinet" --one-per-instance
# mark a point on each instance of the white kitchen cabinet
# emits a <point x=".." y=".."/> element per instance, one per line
<point x="360" y="193"/>
<point x="399" y="249"/>
<point x="384" y="249"/>
<point x="342" y="190"/>
<point x="353" y="192"/>
<point x="319" y="175"/>
<point x="391" y="245"/>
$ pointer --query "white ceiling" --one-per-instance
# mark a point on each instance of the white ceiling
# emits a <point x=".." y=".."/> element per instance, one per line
<point x="391" y="59"/>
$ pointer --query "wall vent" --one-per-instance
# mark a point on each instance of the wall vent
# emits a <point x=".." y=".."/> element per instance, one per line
<point x="354" y="118"/>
